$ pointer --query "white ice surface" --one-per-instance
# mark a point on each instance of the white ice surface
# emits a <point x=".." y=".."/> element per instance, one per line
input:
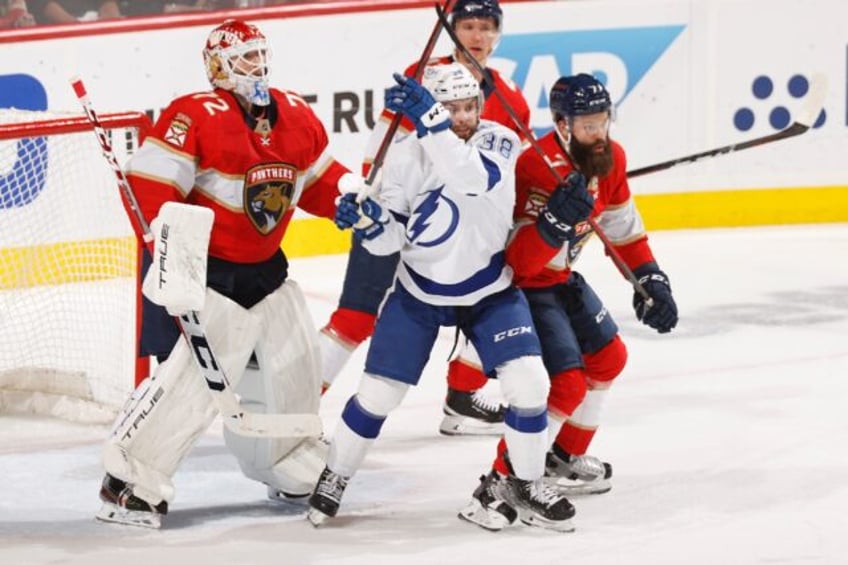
<point x="729" y="440"/>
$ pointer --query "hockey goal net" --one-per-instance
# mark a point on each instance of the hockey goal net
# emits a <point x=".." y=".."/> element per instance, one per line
<point x="68" y="267"/>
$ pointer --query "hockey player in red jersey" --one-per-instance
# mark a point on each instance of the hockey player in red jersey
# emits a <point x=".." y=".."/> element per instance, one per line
<point x="581" y="347"/>
<point x="467" y="411"/>
<point x="247" y="155"/>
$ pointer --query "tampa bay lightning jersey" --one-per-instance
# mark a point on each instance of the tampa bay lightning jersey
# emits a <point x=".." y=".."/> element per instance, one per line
<point x="451" y="205"/>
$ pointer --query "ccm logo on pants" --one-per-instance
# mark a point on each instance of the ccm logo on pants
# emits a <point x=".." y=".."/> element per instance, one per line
<point x="512" y="332"/>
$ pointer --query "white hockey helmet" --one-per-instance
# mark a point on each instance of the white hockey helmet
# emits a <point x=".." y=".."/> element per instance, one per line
<point x="451" y="82"/>
<point x="237" y="57"/>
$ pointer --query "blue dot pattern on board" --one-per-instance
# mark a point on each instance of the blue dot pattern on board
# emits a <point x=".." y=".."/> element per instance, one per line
<point x="798" y="86"/>
<point x="779" y="117"/>
<point x="821" y="119"/>
<point x="762" y="87"/>
<point x="743" y="119"/>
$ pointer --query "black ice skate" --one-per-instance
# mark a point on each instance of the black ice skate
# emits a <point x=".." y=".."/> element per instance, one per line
<point x="487" y="509"/>
<point x="471" y="413"/>
<point x="326" y="498"/>
<point x="121" y="506"/>
<point x="538" y="504"/>
<point x="577" y="474"/>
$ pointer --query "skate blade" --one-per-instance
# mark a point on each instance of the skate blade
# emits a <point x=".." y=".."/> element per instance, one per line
<point x="278" y="495"/>
<point x="568" y="487"/>
<point x="316" y="517"/>
<point x="463" y="426"/>
<point x="118" y="515"/>
<point x="487" y="518"/>
<point x="536" y="521"/>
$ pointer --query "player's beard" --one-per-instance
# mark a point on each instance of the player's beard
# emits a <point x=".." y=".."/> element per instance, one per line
<point x="591" y="161"/>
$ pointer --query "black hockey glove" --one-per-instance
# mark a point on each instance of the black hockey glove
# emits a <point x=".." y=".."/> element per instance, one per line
<point x="662" y="313"/>
<point x="569" y="204"/>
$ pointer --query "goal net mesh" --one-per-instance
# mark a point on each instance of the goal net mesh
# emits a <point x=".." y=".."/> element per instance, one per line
<point x="68" y="267"/>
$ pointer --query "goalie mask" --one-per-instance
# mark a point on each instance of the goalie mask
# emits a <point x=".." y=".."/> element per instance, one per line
<point x="237" y="57"/>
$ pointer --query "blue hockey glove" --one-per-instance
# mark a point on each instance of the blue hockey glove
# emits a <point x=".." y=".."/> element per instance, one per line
<point x="569" y="204"/>
<point x="662" y="313"/>
<point x="416" y="103"/>
<point x="368" y="219"/>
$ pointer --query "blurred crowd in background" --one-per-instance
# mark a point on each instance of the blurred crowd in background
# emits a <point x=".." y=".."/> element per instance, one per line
<point x="27" y="13"/>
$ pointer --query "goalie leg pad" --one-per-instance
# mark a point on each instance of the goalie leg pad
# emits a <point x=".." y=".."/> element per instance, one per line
<point x="287" y="381"/>
<point x="168" y="412"/>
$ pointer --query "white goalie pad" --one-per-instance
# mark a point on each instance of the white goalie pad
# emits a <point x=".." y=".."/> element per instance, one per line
<point x="177" y="277"/>
<point x="168" y="412"/>
<point x="288" y="381"/>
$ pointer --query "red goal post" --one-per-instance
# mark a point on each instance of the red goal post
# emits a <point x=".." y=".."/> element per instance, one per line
<point x="70" y="302"/>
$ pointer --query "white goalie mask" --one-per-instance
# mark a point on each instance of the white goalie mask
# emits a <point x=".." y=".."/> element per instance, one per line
<point x="237" y="57"/>
<point x="451" y="82"/>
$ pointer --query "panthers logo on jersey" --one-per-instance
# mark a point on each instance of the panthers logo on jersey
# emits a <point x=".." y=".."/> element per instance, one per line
<point x="268" y="191"/>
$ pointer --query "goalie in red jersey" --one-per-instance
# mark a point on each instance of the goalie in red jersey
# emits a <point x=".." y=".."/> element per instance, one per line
<point x="223" y="171"/>
<point x="477" y="24"/>
<point x="581" y="347"/>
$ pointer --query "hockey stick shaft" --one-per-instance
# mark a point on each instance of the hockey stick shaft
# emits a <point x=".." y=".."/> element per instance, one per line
<point x="610" y="249"/>
<point x="386" y="142"/>
<point x="807" y="117"/>
<point x="235" y="419"/>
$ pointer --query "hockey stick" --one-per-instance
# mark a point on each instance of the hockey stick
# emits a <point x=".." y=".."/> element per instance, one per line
<point x="807" y="117"/>
<point x="611" y="251"/>
<point x="235" y="419"/>
<point x="386" y="142"/>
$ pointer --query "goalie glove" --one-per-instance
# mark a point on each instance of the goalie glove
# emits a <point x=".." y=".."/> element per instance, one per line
<point x="416" y="103"/>
<point x="177" y="277"/>
<point x="661" y="313"/>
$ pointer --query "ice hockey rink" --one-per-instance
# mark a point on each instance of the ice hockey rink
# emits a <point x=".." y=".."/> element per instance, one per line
<point x="728" y="437"/>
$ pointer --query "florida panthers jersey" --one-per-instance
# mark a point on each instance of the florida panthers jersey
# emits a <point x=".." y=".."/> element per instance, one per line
<point x="537" y="264"/>
<point x="451" y="208"/>
<point x="206" y="150"/>
<point x="493" y="109"/>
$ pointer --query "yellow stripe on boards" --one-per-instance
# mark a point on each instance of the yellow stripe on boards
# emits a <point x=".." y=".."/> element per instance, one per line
<point x="734" y="208"/>
<point x="22" y="267"/>
<point x="315" y="236"/>
<point x="67" y="262"/>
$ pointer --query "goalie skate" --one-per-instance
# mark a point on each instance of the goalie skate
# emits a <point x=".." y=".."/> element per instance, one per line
<point x="121" y="506"/>
<point x="577" y="474"/>
<point x="486" y="508"/>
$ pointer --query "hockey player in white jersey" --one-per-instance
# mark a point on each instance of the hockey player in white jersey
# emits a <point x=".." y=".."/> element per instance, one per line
<point x="445" y="202"/>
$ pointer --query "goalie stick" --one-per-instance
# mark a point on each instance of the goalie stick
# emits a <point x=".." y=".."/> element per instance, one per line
<point x="386" y="142"/>
<point x="807" y="117"/>
<point x="235" y="419"/>
<point x="528" y="135"/>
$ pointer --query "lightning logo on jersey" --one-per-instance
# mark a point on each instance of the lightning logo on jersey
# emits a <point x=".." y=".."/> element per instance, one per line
<point x="437" y="214"/>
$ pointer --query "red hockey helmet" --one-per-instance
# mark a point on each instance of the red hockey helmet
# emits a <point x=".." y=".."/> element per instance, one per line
<point x="237" y="57"/>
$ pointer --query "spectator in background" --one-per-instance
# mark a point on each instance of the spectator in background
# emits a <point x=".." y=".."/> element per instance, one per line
<point x="15" y="14"/>
<point x="154" y="7"/>
<point x="70" y="11"/>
